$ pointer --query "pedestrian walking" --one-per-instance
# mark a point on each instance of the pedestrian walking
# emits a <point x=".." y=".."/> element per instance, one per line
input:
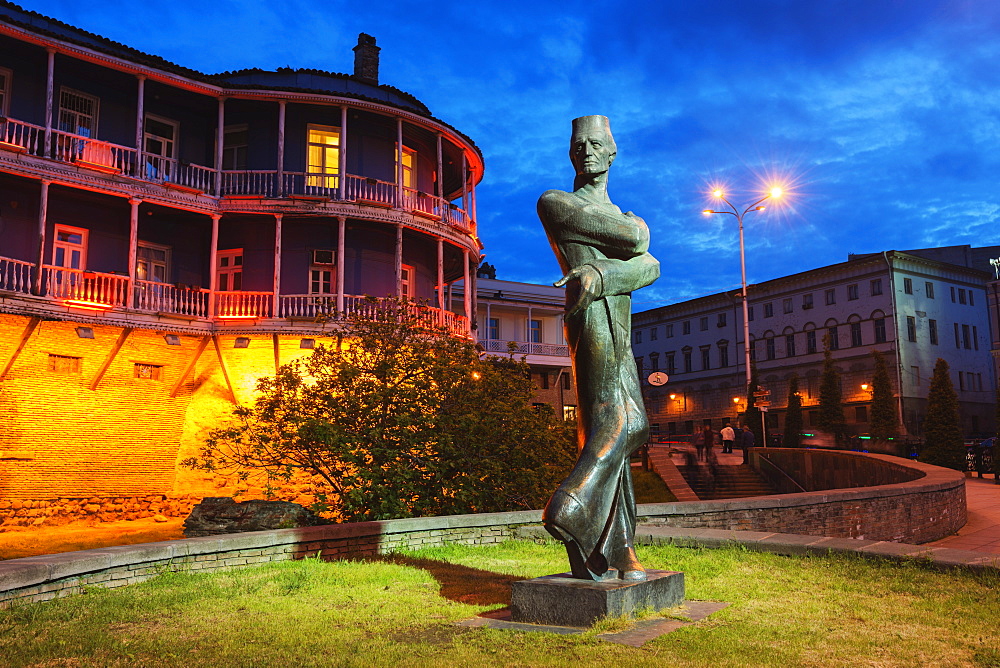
<point x="746" y="441"/>
<point x="708" y="439"/>
<point x="728" y="436"/>
<point x="699" y="444"/>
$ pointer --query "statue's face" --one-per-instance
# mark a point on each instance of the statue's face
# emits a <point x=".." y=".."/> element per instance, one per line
<point x="592" y="152"/>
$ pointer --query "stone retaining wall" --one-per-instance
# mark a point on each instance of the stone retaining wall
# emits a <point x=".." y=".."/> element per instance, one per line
<point x="929" y="507"/>
<point x="49" y="512"/>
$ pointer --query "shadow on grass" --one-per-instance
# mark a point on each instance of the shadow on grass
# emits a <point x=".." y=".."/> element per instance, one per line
<point x="462" y="584"/>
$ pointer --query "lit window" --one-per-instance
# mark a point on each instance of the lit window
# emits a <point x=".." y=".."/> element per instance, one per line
<point x="409" y="167"/>
<point x="323" y="165"/>
<point x="569" y="413"/>
<point x="152" y="262"/>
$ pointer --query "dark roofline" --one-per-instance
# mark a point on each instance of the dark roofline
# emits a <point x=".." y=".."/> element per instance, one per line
<point x="110" y="47"/>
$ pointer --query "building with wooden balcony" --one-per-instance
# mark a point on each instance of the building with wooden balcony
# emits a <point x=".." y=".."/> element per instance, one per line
<point x="526" y="320"/>
<point x="170" y="230"/>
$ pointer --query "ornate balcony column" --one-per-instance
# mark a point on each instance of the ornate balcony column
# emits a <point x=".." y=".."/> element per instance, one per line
<point x="399" y="261"/>
<point x="342" y="170"/>
<point x="465" y="184"/>
<point x="440" y="272"/>
<point x="133" y="241"/>
<point x="43" y="208"/>
<point x="281" y="148"/>
<point x="341" y="231"/>
<point x="220" y="139"/>
<point x="49" y="95"/>
<point x="213" y="265"/>
<point x="440" y="176"/>
<point x="140" y="119"/>
<point x="399" y="163"/>
<point x="277" y="264"/>
<point x="467" y="285"/>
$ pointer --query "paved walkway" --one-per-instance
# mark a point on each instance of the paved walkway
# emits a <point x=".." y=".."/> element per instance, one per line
<point x="982" y="531"/>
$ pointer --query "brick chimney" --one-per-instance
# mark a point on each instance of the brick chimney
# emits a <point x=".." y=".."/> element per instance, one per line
<point x="366" y="59"/>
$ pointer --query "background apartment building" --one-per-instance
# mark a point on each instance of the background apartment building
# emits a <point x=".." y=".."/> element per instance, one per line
<point x="909" y="306"/>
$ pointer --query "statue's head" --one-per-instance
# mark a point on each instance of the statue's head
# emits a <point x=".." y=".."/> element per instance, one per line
<point x="592" y="148"/>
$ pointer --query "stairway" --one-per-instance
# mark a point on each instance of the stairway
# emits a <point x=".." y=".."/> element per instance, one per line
<point x="728" y="481"/>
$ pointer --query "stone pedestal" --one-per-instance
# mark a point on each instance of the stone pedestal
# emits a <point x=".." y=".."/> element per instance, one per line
<point x="561" y="600"/>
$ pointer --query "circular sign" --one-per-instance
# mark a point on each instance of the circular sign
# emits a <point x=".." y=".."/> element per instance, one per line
<point x="658" y="378"/>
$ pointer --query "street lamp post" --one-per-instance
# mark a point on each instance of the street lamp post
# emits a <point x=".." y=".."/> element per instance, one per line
<point x="756" y="206"/>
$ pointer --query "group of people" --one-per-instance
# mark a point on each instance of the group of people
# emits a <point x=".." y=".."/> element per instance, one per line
<point x="705" y="439"/>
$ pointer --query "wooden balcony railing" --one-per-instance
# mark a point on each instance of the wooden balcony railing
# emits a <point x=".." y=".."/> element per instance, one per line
<point x="16" y="275"/>
<point x="259" y="183"/>
<point x="172" y="172"/>
<point x="89" y="289"/>
<point x="21" y="136"/>
<point x="166" y="298"/>
<point x="243" y="305"/>
<point x="325" y="306"/>
<point x="370" y="191"/>
<point x="93" y="153"/>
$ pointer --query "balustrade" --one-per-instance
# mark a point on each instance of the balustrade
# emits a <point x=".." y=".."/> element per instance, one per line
<point x="526" y="348"/>
<point x="238" y="305"/>
<point x="86" y="288"/>
<point x="165" y="298"/>
<point x="16" y="275"/>
<point x="68" y="147"/>
<point x="24" y="136"/>
<point x="372" y="191"/>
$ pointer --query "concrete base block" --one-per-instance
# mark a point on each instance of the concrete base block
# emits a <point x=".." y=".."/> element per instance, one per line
<point x="562" y="600"/>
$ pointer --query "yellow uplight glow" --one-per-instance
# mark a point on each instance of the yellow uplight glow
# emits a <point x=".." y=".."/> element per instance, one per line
<point x="707" y="212"/>
<point x="736" y="400"/>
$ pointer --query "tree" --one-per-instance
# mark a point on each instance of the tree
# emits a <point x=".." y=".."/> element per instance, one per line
<point x="943" y="445"/>
<point x="884" y="420"/>
<point x="831" y="407"/>
<point x="399" y="419"/>
<point x="793" y="415"/>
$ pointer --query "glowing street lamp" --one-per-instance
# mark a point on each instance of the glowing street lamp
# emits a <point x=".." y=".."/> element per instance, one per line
<point x="756" y="206"/>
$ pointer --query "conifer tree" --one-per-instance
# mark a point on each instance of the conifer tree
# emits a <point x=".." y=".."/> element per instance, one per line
<point x="831" y="407"/>
<point x="943" y="444"/>
<point x="884" y="418"/>
<point x="793" y="416"/>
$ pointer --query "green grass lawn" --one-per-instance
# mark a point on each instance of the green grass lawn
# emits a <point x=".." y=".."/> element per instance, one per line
<point x="399" y="611"/>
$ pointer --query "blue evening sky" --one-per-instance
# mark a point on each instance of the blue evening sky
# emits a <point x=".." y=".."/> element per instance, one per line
<point x="882" y="117"/>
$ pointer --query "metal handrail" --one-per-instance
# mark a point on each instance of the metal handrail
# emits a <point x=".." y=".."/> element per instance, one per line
<point x="781" y="471"/>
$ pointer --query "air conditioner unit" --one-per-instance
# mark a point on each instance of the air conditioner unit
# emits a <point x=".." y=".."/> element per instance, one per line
<point x="323" y="257"/>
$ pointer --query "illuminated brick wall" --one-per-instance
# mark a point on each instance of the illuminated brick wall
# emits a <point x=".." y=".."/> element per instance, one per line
<point x="68" y="448"/>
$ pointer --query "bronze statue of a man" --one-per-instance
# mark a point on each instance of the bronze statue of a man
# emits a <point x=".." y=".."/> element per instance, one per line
<point x="603" y="254"/>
